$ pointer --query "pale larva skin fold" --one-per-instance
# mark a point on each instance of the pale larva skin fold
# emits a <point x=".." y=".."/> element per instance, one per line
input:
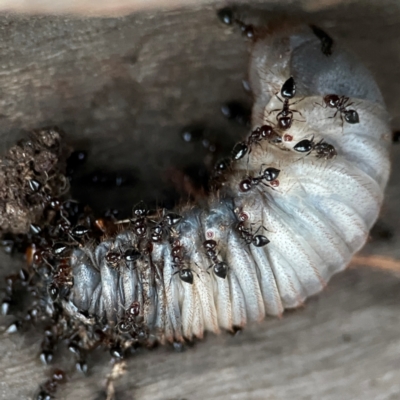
<point x="316" y="218"/>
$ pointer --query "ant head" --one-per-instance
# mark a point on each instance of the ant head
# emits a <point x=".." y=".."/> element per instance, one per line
<point x="245" y="185"/>
<point x="266" y="131"/>
<point x="332" y="100"/>
<point x="140" y="209"/>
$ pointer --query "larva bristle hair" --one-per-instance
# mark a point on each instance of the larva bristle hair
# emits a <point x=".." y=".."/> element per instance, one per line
<point x="284" y="215"/>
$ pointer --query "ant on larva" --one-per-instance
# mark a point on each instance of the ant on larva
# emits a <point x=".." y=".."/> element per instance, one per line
<point x="264" y="132"/>
<point x="269" y="178"/>
<point x="98" y="282"/>
<point x="341" y="103"/>
<point x="322" y="149"/>
<point x="220" y="268"/>
<point x="285" y="116"/>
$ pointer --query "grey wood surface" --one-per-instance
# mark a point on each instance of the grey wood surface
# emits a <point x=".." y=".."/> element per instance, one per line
<point x="123" y="88"/>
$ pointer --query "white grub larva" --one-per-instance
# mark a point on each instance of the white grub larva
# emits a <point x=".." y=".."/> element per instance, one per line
<point x="289" y="210"/>
<point x="290" y="213"/>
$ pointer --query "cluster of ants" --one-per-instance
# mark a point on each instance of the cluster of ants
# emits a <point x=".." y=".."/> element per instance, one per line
<point x="269" y="176"/>
<point x="48" y="276"/>
<point x="284" y="116"/>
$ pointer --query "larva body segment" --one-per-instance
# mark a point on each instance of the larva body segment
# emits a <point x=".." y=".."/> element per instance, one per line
<point x="316" y="204"/>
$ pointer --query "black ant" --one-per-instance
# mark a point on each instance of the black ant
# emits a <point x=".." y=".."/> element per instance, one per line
<point x="128" y="322"/>
<point x="322" y="149"/>
<point x="226" y="16"/>
<point x="219" y="267"/>
<point x="217" y="177"/>
<point x="250" y="238"/>
<point x="165" y="227"/>
<point x="48" y="389"/>
<point x="341" y="103"/>
<point x="261" y="133"/>
<point x="139" y="219"/>
<point x="185" y="274"/>
<point x="285" y="116"/>
<point x="269" y="175"/>
<point x="62" y="282"/>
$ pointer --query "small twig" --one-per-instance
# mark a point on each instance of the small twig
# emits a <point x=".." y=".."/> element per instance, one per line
<point x="378" y="262"/>
<point x="118" y="369"/>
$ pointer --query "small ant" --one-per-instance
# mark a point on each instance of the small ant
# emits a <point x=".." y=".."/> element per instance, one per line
<point x="226" y="16"/>
<point x="48" y="389"/>
<point x="219" y="267"/>
<point x="249" y="237"/>
<point x="322" y="149"/>
<point x="269" y="175"/>
<point x="261" y="133"/>
<point x="285" y="116"/>
<point x="128" y="322"/>
<point x="217" y="177"/>
<point x="185" y="274"/>
<point x="341" y="103"/>
<point x="165" y="227"/>
<point x="62" y="282"/>
<point x="139" y="219"/>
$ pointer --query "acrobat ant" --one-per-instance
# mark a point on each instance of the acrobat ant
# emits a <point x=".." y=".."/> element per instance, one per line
<point x="219" y="267"/>
<point x="269" y="175"/>
<point x="341" y="103"/>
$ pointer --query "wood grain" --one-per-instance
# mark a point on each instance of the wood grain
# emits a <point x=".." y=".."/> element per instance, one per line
<point x="123" y="88"/>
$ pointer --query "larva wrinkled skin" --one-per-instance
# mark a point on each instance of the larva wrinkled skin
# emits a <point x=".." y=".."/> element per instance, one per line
<point x="316" y="216"/>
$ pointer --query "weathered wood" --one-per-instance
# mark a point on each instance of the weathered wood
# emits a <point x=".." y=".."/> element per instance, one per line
<point x="123" y="89"/>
